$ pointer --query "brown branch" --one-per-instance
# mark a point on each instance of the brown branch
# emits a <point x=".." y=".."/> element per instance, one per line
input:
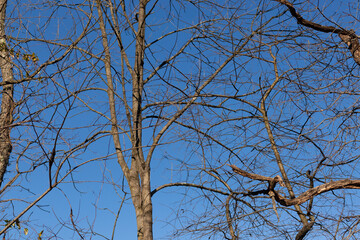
<point x="309" y="194"/>
<point x="304" y="230"/>
<point x="74" y="225"/>
<point x="312" y="192"/>
<point x="229" y="219"/>
<point x="189" y="185"/>
<point x="254" y="176"/>
<point x="347" y="36"/>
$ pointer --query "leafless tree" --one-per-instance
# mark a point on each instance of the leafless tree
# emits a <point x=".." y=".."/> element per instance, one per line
<point x="291" y="122"/>
<point x="247" y="110"/>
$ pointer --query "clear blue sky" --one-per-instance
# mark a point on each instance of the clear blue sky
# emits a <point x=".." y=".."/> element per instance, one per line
<point x="94" y="191"/>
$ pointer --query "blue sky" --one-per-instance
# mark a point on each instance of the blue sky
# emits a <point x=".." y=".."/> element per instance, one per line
<point x="94" y="190"/>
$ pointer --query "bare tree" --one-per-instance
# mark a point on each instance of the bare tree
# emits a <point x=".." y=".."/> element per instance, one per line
<point x="137" y="171"/>
<point x="293" y="124"/>
<point x="215" y="102"/>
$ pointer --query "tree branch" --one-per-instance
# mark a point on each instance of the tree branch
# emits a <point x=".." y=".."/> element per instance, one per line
<point x="347" y="36"/>
<point x="309" y="194"/>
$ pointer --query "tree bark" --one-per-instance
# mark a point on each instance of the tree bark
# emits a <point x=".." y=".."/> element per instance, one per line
<point x="7" y="101"/>
<point x="138" y="165"/>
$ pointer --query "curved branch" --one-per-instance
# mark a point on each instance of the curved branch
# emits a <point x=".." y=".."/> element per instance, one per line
<point x="309" y="194"/>
<point x="347" y="36"/>
<point x="257" y="176"/>
<point x="312" y="192"/>
<point x="188" y="185"/>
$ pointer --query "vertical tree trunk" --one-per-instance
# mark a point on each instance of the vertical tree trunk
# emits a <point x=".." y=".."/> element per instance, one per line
<point x="139" y="165"/>
<point x="140" y="194"/>
<point x="138" y="175"/>
<point x="141" y="197"/>
<point x="7" y="102"/>
<point x="146" y="205"/>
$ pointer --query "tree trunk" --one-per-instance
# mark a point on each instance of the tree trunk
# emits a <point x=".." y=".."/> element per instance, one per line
<point x="147" y="205"/>
<point x="7" y="102"/>
<point x="138" y="175"/>
<point x="139" y="167"/>
<point x="141" y="197"/>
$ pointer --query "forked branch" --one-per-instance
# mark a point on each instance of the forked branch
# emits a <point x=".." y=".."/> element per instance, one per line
<point x="309" y="194"/>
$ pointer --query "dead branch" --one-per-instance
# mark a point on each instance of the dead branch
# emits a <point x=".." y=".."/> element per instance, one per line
<point x="347" y="36"/>
<point x="341" y="184"/>
<point x="309" y="194"/>
<point x="254" y="176"/>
